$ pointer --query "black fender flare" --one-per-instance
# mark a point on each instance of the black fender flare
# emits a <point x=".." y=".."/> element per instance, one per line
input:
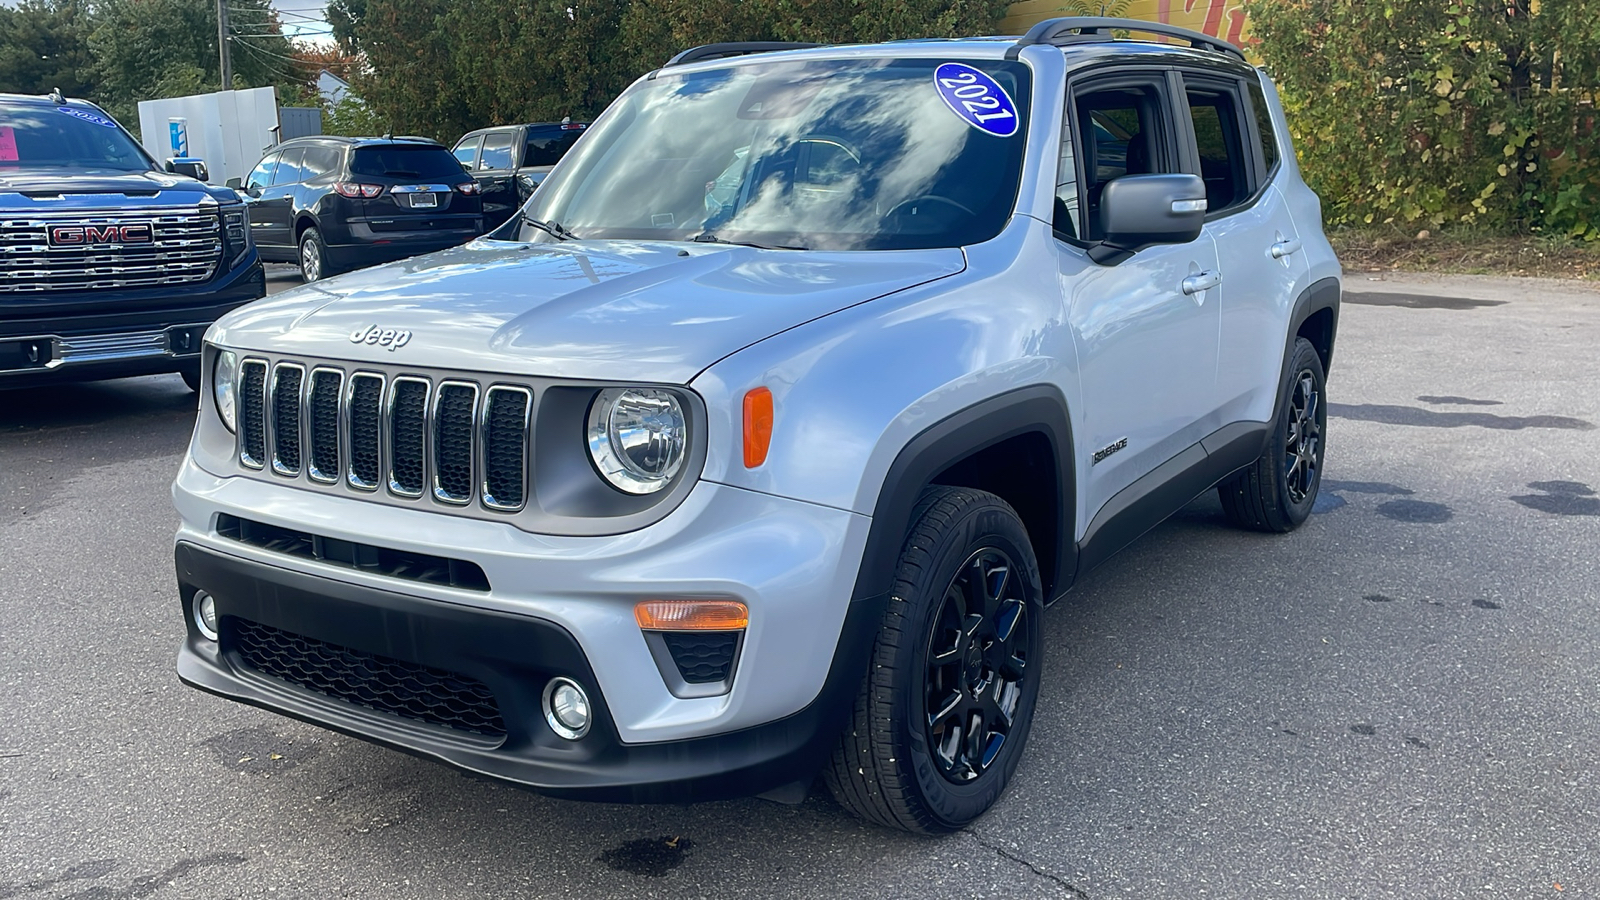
<point x="1318" y="296"/>
<point x="1038" y="408"/>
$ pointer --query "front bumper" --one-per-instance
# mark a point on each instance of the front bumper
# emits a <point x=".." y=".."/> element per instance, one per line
<point x="515" y="656"/>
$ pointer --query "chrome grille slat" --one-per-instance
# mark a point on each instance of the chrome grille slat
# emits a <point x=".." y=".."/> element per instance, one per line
<point x="322" y="422"/>
<point x="453" y="441"/>
<point x="186" y="248"/>
<point x="407" y="434"/>
<point x="288" y="381"/>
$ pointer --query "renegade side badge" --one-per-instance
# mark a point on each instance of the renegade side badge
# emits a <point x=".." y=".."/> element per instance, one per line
<point x="1106" y="451"/>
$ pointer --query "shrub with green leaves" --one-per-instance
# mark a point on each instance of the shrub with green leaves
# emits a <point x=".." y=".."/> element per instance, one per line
<point x="1427" y="112"/>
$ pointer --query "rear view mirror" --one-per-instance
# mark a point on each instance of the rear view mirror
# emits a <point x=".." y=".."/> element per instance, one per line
<point x="194" y="168"/>
<point x="1139" y="211"/>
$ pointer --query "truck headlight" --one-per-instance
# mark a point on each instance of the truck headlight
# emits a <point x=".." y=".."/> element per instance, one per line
<point x="224" y="387"/>
<point x="638" y="438"/>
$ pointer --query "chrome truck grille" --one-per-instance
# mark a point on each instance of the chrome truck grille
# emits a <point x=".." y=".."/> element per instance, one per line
<point x="81" y="251"/>
<point x="454" y="441"/>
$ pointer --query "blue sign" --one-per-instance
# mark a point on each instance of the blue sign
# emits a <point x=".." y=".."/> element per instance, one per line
<point x="977" y="99"/>
<point x="86" y="116"/>
<point x="179" y="137"/>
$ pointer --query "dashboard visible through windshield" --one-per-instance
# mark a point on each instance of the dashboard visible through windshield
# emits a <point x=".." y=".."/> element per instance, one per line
<point x="821" y="154"/>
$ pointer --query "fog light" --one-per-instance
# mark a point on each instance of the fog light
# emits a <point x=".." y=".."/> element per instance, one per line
<point x="205" y="615"/>
<point x="566" y="708"/>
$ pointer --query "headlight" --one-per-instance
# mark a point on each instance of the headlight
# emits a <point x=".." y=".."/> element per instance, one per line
<point x="224" y="387"/>
<point x="237" y="231"/>
<point x="637" y="438"/>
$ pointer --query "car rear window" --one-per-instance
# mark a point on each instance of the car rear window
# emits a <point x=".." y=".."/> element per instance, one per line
<point x="546" y="147"/>
<point x="401" y="161"/>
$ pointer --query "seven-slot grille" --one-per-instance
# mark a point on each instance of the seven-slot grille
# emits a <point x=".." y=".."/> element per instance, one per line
<point x="185" y="247"/>
<point x="407" y="434"/>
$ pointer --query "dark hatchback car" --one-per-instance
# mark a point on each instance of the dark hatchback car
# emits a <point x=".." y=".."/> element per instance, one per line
<point x="333" y="204"/>
<point x="511" y="160"/>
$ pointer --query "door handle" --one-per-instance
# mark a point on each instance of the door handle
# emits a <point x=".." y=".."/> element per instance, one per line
<point x="1284" y="248"/>
<point x="1202" y="281"/>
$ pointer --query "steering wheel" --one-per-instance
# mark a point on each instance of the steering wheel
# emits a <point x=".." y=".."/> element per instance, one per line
<point x="933" y="198"/>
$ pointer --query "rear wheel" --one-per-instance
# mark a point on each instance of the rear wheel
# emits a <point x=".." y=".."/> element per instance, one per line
<point x="1277" y="491"/>
<point x="947" y="703"/>
<point x="314" y="263"/>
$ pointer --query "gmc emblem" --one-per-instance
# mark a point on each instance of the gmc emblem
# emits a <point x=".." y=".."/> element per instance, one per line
<point x="78" y="235"/>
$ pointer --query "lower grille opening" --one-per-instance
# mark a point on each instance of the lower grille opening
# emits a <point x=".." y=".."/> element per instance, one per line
<point x="405" y="689"/>
<point x="458" y="573"/>
<point x="703" y="657"/>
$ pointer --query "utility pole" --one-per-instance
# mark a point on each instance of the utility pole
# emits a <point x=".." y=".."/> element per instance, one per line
<point x="223" y="50"/>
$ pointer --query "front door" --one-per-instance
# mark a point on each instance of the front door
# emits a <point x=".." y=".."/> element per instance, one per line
<point x="1146" y="328"/>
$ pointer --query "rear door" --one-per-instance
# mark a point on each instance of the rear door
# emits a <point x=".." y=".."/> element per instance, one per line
<point x="495" y="174"/>
<point x="1257" y="244"/>
<point x="417" y="189"/>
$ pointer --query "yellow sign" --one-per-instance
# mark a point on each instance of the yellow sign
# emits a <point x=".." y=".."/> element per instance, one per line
<point x="1219" y="18"/>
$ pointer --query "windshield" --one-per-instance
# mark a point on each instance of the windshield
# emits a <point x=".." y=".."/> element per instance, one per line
<point x="833" y="154"/>
<point x="405" y="161"/>
<point x="33" y="136"/>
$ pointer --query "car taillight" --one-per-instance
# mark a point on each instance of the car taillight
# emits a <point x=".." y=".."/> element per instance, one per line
<point x="470" y="187"/>
<point x="352" y="190"/>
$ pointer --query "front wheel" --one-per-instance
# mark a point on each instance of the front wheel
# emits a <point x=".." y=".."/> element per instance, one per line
<point x="1277" y="491"/>
<point x="947" y="702"/>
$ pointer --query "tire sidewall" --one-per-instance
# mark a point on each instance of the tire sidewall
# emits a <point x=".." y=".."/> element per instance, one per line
<point x="954" y="805"/>
<point x="1305" y="358"/>
<point x="312" y="235"/>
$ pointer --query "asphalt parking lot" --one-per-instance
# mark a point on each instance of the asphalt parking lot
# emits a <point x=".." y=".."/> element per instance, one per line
<point x="1399" y="700"/>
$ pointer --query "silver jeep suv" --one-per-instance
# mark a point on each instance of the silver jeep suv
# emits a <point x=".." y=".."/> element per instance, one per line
<point x="757" y="444"/>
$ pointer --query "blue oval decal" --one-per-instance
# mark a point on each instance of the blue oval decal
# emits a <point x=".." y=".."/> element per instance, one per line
<point x="86" y="116"/>
<point x="976" y="98"/>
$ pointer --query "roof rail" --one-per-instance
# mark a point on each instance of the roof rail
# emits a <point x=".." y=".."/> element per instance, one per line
<point x="740" y="48"/>
<point x="1071" y="29"/>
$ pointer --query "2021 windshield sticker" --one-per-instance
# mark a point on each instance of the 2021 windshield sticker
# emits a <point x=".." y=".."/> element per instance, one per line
<point x="86" y="116"/>
<point x="978" y="99"/>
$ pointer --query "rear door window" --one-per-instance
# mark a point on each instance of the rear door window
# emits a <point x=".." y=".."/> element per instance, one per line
<point x="288" y="171"/>
<point x="496" y="151"/>
<point x="1219" y="141"/>
<point x="404" y="162"/>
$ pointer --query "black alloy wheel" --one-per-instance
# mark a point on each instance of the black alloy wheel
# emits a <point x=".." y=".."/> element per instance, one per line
<point x="1302" y="440"/>
<point x="1278" y="490"/>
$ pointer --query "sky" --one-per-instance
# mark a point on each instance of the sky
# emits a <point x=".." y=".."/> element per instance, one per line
<point x="304" y="19"/>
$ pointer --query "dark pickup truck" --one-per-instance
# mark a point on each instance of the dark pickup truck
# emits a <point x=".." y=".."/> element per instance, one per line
<point x="509" y="161"/>
<point x="110" y="265"/>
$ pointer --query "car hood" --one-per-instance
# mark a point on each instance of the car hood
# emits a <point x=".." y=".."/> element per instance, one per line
<point x="57" y="188"/>
<point x="610" y="310"/>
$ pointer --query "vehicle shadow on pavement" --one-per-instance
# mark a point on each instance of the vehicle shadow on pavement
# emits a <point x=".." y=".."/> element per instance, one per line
<point x="94" y="403"/>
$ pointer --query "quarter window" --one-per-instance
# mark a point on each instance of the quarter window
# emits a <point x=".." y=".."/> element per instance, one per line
<point x="319" y="161"/>
<point x="1217" y="138"/>
<point x="1264" y="133"/>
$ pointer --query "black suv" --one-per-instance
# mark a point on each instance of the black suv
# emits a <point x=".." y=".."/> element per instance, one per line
<point x="109" y="266"/>
<point x="510" y="161"/>
<point x="336" y="203"/>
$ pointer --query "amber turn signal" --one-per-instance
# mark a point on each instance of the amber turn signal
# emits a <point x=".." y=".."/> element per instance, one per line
<point x="757" y="426"/>
<point x="692" y="615"/>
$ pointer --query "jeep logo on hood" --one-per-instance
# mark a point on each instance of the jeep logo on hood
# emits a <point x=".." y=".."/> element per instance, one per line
<point x="383" y="337"/>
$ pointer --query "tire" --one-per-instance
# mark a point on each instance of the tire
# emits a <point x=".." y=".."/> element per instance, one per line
<point x="313" y="257"/>
<point x="897" y="766"/>
<point x="1277" y="491"/>
<point x="191" y="375"/>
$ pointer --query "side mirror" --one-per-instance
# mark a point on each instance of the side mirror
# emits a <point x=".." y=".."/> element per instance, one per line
<point x="1139" y="211"/>
<point x="194" y="168"/>
<point x="236" y="183"/>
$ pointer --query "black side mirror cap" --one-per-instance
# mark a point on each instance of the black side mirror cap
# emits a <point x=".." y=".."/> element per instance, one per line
<point x="236" y="183"/>
<point x="182" y="165"/>
<point x="1139" y="211"/>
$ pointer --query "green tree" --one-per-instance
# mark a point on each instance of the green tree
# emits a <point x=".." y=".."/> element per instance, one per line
<point x="44" y="44"/>
<point x="1472" y="111"/>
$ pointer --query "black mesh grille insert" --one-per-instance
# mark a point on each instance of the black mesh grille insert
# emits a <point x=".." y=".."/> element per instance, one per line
<point x="325" y="387"/>
<point x="453" y="428"/>
<point x="504" y="453"/>
<point x="252" y="412"/>
<point x="406" y="689"/>
<point x="286" y="418"/>
<point x="703" y="657"/>
<point x="366" y="401"/>
<point x="439" y="570"/>
<point x="408" y="435"/>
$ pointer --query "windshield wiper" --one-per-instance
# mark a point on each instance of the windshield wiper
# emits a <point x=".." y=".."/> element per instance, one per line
<point x="706" y="237"/>
<point x="554" y="229"/>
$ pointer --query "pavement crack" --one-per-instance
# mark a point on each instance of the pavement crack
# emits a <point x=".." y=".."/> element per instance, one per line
<point x="1072" y="890"/>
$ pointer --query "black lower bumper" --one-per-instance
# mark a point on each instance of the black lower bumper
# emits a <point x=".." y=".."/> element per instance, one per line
<point x="515" y="656"/>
